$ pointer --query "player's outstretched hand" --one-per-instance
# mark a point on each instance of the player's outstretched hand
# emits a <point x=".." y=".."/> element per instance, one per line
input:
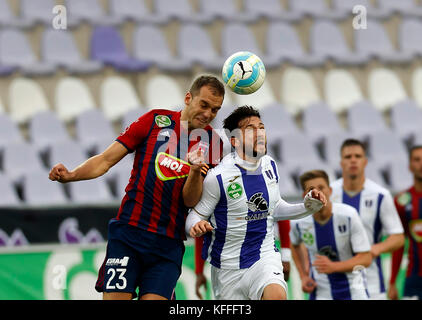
<point x="60" y="173"/>
<point x="196" y="159"/>
<point x="200" y="228"/>
<point x="314" y="200"/>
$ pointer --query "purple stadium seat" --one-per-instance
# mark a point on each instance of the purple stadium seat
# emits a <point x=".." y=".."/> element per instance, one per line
<point x="6" y="70"/>
<point x="108" y="47"/>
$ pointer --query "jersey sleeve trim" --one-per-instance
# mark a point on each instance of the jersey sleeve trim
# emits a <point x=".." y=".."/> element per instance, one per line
<point x="124" y="145"/>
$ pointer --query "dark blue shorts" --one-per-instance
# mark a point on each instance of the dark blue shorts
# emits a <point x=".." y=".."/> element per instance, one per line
<point x="413" y="287"/>
<point x="136" y="258"/>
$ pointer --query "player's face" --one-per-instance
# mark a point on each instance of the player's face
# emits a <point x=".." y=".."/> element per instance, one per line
<point x="202" y="108"/>
<point x="318" y="184"/>
<point x="353" y="161"/>
<point x="415" y="163"/>
<point x="254" y="137"/>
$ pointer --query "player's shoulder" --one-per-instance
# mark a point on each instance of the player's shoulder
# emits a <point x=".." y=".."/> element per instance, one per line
<point x="153" y="113"/>
<point x="337" y="184"/>
<point x="225" y="163"/>
<point x="342" y="209"/>
<point x="375" y="187"/>
<point x="161" y="111"/>
<point x="267" y="159"/>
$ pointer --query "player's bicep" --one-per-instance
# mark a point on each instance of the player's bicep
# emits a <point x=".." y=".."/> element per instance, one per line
<point x="359" y="237"/>
<point x="389" y="216"/>
<point x="114" y="153"/>
<point x="136" y="132"/>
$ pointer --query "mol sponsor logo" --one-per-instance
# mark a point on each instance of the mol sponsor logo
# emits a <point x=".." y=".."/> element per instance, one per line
<point x="168" y="167"/>
<point x="415" y="227"/>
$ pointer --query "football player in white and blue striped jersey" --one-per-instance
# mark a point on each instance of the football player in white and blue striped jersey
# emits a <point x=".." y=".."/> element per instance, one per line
<point x="337" y="246"/>
<point x="376" y="209"/>
<point x="239" y="204"/>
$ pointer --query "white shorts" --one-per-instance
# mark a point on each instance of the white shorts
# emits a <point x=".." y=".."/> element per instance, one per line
<point x="248" y="284"/>
<point x="378" y="296"/>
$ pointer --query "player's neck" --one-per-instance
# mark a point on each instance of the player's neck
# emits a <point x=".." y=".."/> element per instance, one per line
<point x="354" y="184"/>
<point x="247" y="162"/>
<point x="418" y="185"/>
<point x="324" y="214"/>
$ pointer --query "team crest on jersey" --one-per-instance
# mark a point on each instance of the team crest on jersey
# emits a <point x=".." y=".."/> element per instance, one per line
<point x="415" y="228"/>
<point x="162" y="121"/>
<point x="329" y="253"/>
<point x="257" y="203"/>
<point x="342" y="228"/>
<point x="234" y="190"/>
<point x="168" y="167"/>
<point x="369" y="203"/>
<point x="308" y="238"/>
<point x="404" y="198"/>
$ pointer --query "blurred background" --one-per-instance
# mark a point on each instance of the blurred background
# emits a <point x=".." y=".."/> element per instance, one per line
<point x="75" y="73"/>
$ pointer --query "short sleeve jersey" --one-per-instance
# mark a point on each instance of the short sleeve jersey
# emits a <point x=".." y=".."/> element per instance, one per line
<point x="153" y="197"/>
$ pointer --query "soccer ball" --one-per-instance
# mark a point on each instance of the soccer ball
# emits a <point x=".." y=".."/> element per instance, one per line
<point x="243" y="72"/>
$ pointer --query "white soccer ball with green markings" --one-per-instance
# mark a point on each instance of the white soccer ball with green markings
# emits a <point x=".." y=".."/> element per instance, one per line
<point x="243" y="72"/>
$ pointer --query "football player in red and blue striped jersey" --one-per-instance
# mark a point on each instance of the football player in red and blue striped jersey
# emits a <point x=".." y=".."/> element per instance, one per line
<point x="173" y="151"/>
<point x="409" y="207"/>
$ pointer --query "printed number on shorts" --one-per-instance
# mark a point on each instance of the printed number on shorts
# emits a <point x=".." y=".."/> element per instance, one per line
<point x="118" y="285"/>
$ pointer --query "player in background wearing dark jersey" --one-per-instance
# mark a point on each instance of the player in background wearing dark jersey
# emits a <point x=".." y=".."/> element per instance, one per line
<point x="409" y="207"/>
<point x="201" y="280"/>
<point x="173" y="151"/>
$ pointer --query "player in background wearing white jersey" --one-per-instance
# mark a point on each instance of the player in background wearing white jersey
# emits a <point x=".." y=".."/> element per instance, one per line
<point x="337" y="246"/>
<point x="376" y="209"/>
<point x="239" y="204"/>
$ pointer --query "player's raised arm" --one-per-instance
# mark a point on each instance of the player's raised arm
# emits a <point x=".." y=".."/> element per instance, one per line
<point x="92" y="168"/>
<point x="192" y="190"/>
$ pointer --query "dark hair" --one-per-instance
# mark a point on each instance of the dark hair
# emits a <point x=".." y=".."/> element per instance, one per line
<point x="232" y="121"/>
<point x="313" y="174"/>
<point x="352" y="142"/>
<point x="217" y="87"/>
<point x="413" y="148"/>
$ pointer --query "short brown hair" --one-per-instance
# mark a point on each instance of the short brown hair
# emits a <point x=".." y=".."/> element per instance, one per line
<point x="313" y="174"/>
<point x="232" y="121"/>
<point x="413" y="148"/>
<point x="217" y="87"/>
<point x="353" y="142"/>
